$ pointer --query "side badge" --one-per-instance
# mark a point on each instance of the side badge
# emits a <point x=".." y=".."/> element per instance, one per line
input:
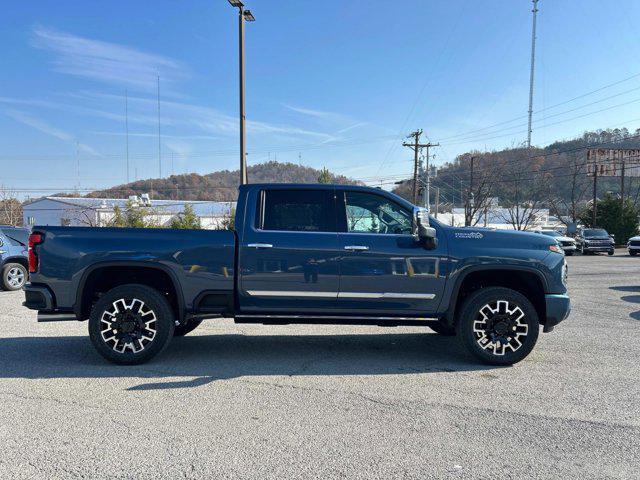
<point x="469" y="235"/>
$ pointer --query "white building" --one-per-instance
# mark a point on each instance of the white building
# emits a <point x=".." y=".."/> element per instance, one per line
<point x="500" y="218"/>
<point x="98" y="212"/>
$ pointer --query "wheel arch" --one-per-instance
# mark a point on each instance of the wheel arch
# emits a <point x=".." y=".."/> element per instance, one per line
<point x="136" y="272"/>
<point x="528" y="281"/>
<point x="17" y="259"/>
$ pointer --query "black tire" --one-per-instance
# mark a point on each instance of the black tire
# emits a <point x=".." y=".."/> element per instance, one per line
<point x="611" y="252"/>
<point x="443" y="329"/>
<point x="121" y="337"/>
<point x="633" y="253"/>
<point x="500" y="324"/>
<point x="190" y="326"/>
<point x="568" y="253"/>
<point x="14" y="276"/>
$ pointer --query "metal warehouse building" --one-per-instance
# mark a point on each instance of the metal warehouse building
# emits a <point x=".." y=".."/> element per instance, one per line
<point x="98" y="212"/>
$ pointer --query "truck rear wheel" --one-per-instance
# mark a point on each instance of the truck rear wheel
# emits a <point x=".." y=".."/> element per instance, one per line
<point x="498" y="325"/>
<point x="131" y="324"/>
<point x="190" y="326"/>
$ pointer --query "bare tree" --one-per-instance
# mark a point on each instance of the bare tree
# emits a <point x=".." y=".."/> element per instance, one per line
<point x="481" y="186"/>
<point x="523" y="195"/>
<point x="568" y="209"/>
<point x="10" y="208"/>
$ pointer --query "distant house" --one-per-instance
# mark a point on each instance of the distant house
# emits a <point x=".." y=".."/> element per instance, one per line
<point x="98" y="212"/>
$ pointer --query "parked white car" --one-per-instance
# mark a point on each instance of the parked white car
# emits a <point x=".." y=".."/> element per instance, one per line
<point x="568" y="244"/>
<point x="633" y="245"/>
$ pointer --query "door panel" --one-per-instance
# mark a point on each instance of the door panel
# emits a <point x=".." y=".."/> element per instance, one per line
<point x="289" y="260"/>
<point x="388" y="273"/>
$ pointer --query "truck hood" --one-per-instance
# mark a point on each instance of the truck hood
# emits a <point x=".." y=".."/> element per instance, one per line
<point x="504" y="238"/>
<point x="566" y="239"/>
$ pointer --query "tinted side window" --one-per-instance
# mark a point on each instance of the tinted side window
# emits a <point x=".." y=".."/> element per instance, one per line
<point x="298" y="210"/>
<point x="368" y="213"/>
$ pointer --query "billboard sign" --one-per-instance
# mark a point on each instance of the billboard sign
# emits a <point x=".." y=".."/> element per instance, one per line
<point x="609" y="162"/>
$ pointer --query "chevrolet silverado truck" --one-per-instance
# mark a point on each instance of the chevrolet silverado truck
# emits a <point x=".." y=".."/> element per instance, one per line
<point x="327" y="254"/>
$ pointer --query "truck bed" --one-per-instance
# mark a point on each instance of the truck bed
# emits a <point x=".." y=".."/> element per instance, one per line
<point x="198" y="261"/>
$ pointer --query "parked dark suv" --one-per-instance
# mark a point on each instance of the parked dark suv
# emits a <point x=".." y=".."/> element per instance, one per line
<point x="592" y="240"/>
<point x="14" y="266"/>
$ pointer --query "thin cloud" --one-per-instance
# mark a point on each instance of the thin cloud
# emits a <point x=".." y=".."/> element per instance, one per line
<point x="352" y="127"/>
<point x="205" y="118"/>
<point x="44" y="127"/>
<point x="106" y="62"/>
<point x="314" y="113"/>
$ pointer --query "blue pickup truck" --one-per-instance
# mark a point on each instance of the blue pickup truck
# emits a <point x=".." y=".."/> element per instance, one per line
<point x="329" y="254"/>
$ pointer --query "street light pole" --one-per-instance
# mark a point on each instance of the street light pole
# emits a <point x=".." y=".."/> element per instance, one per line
<point x="242" y="16"/>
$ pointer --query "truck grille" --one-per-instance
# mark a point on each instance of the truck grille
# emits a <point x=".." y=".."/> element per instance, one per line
<point x="566" y="243"/>
<point x="599" y="243"/>
<point x="635" y="243"/>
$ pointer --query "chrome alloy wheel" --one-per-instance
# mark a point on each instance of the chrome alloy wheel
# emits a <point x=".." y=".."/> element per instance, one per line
<point x="128" y="326"/>
<point x="15" y="277"/>
<point x="500" y="326"/>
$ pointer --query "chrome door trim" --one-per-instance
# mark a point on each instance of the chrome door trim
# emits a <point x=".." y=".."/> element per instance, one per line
<point x="356" y="248"/>
<point x="421" y="296"/>
<point x="335" y="317"/>
<point x="307" y="294"/>
<point x="291" y="293"/>
<point x="260" y="245"/>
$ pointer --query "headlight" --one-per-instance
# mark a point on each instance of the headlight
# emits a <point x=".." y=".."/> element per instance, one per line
<point x="555" y="248"/>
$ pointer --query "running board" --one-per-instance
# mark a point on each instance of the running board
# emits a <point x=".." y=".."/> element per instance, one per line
<point x="56" y="317"/>
<point x="333" y="319"/>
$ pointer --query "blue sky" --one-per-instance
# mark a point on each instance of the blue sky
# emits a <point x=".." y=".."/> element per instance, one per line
<point x="331" y="83"/>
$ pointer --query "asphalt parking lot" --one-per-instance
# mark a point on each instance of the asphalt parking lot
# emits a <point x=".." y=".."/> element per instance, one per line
<point x="232" y="401"/>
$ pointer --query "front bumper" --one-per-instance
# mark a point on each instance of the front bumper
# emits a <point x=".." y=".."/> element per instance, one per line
<point x="569" y="248"/>
<point x="558" y="309"/>
<point x="598" y="248"/>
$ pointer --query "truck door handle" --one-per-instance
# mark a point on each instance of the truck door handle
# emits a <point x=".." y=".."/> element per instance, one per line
<point x="260" y="245"/>
<point x="359" y="248"/>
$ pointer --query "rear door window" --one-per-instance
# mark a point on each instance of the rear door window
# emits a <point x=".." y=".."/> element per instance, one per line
<point x="297" y="210"/>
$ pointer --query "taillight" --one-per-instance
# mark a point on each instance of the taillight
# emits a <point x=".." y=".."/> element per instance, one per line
<point x="34" y="239"/>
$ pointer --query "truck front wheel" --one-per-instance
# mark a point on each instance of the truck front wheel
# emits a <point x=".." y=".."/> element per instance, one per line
<point x="498" y="325"/>
<point x="131" y="324"/>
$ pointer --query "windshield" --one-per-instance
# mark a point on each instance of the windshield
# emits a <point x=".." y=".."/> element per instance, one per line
<point x="595" y="232"/>
<point x="551" y="233"/>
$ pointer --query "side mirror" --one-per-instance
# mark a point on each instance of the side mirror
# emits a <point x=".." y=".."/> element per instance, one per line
<point x="422" y="232"/>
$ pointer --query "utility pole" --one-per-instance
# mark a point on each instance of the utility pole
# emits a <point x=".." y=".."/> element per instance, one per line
<point x="243" y="15"/>
<point x="622" y="189"/>
<point x="78" y="162"/>
<point x="159" y="138"/>
<point x="533" y="57"/>
<point x="426" y="193"/>
<point x="595" y="192"/>
<point x="417" y="146"/>
<point x="126" y="127"/>
<point x="437" y="200"/>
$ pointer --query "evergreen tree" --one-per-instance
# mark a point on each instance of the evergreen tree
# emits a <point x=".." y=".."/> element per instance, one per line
<point x="620" y="221"/>
<point x="325" y="176"/>
<point x="187" y="220"/>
